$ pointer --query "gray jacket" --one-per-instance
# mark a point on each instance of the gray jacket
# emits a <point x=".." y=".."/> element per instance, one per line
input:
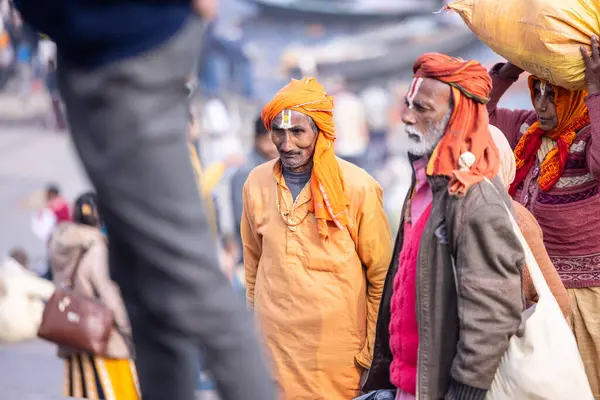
<point x="464" y="323"/>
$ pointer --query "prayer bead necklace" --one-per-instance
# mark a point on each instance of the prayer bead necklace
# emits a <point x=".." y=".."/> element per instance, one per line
<point x="288" y="220"/>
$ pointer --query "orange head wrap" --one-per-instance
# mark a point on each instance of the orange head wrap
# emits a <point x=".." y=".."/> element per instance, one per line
<point x="468" y="128"/>
<point x="572" y="116"/>
<point x="308" y="97"/>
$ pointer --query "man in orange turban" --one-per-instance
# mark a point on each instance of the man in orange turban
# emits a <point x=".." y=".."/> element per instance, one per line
<point x="453" y="294"/>
<point x="316" y="249"/>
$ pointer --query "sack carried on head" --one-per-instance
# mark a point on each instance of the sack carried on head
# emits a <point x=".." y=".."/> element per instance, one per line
<point x="540" y="36"/>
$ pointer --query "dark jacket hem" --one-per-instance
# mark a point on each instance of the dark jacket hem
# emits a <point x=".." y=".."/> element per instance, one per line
<point x="458" y="391"/>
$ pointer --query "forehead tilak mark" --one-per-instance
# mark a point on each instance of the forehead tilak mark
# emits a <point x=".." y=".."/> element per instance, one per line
<point x="413" y="90"/>
<point x="286" y="119"/>
<point x="542" y="88"/>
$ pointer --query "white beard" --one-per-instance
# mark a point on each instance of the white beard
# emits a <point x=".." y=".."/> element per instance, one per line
<point x="427" y="140"/>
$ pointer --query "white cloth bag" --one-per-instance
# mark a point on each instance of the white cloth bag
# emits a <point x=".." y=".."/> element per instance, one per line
<point x="542" y="361"/>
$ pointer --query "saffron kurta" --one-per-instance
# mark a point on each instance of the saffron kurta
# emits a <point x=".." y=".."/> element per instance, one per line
<point x="316" y="301"/>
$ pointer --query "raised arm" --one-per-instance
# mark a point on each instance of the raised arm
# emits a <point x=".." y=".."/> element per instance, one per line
<point x="592" y="76"/>
<point x="508" y="121"/>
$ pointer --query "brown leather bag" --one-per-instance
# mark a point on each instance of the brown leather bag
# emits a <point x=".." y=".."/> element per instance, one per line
<point x="76" y="321"/>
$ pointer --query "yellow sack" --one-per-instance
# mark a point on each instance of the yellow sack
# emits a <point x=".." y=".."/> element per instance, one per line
<point x="540" y="36"/>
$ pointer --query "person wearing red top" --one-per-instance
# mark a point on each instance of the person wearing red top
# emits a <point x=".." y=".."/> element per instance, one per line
<point x="57" y="204"/>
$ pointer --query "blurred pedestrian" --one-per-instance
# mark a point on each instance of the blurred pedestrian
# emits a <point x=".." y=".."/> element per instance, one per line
<point x="6" y="54"/>
<point x="122" y="77"/>
<point x="207" y="179"/>
<point x="59" y="122"/>
<point x="352" y="131"/>
<point x="316" y="249"/>
<point x="57" y="203"/>
<point x="263" y="150"/>
<point x="22" y="298"/>
<point x="376" y="104"/>
<point x="79" y="258"/>
<point x="216" y="50"/>
<point x="49" y="209"/>
<point x="25" y="42"/>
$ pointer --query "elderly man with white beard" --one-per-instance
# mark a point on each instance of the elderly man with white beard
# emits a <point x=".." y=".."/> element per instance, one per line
<point x="452" y="297"/>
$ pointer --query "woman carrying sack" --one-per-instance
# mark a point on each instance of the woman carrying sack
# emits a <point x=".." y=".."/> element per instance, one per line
<point x="79" y="256"/>
<point x="557" y="149"/>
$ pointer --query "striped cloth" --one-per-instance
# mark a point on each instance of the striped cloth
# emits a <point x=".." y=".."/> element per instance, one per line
<point x="97" y="378"/>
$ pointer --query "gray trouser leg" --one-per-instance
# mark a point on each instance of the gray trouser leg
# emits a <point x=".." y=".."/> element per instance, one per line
<point x="128" y="122"/>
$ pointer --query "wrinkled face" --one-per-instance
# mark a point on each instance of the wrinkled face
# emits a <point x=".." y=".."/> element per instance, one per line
<point x="294" y="135"/>
<point x="426" y="115"/>
<point x="545" y="108"/>
<point x="265" y="146"/>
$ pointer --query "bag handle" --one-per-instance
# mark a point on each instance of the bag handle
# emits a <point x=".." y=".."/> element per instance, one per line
<point x="71" y="279"/>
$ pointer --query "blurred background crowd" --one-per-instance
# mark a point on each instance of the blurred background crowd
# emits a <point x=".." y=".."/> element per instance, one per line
<point x="363" y="55"/>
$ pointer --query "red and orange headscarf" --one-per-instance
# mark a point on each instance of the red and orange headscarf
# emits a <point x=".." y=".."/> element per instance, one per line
<point x="468" y="128"/>
<point x="307" y="96"/>
<point x="572" y="116"/>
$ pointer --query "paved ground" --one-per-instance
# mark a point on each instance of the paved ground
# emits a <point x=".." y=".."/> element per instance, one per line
<point x="30" y="371"/>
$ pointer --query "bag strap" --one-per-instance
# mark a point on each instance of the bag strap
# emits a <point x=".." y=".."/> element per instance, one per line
<point x="71" y="279"/>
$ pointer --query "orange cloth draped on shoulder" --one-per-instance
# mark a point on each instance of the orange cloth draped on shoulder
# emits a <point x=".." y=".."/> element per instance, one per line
<point x="572" y="116"/>
<point x="308" y="97"/>
<point x="468" y="128"/>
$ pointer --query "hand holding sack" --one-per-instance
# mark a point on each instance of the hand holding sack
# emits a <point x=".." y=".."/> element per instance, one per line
<point x="542" y="37"/>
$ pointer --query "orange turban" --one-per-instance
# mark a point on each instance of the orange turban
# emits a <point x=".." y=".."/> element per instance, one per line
<point x="468" y="128"/>
<point x="308" y="97"/>
<point x="572" y="116"/>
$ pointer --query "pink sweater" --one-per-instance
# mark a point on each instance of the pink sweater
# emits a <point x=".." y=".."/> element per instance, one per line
<point x="404" y="331"/>
<point x="567" y="213"/>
